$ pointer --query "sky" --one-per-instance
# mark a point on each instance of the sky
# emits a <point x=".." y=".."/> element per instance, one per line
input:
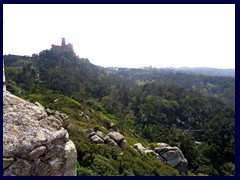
<point x="126" y="35"/>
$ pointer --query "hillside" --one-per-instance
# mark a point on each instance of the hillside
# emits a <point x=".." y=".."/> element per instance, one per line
<point x="193" y="112"/>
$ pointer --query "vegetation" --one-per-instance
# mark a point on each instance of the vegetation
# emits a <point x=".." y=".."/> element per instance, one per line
<point x="191" y="111"/>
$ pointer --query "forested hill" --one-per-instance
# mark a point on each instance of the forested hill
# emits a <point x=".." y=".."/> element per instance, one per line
<point x="58" y="72"/>
<point x="191" y="111"/>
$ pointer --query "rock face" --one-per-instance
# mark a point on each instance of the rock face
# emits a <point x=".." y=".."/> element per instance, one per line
<point x="110" y="139"/>
<point x="117" y="137"/>
<point x="139" y="147"/>
<point x="96" y="139"/>
<point x="111" y="142"/>
<point x="142" y="150"/>
<point x="171" y="156"/>
<point x="34" y="143"/>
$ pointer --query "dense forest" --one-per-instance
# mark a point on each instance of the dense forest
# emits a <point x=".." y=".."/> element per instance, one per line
<point x="191" y="111"/>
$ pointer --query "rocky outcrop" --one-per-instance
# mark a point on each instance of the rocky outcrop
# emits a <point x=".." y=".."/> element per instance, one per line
<point x="171" y="156"/>
<point x="34" y="141"/>
<point x="116" y="136"/>
<point x="110" y="139"/>
<point x="111" y="142"/>
<point x="96" y="139"/>
<point x="139" y="147"/>
<point x="142" y="150"/>
<point x="103" y="136"/>
<point x="123" y="143"/>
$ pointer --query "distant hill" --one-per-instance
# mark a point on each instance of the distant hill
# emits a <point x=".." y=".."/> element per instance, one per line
<point x="187" y="70"/>
<point x="208" y="71"/>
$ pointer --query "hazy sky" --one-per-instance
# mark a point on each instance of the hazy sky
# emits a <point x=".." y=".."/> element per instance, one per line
<point x="126" y="35"/>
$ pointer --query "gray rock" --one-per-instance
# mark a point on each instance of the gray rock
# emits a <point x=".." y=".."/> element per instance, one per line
<point x="142" y="150"/>
<point x="173" y="157"/>
<point x="59" y="118"/>
<point x="162" y="145"/>
<point x="71" y="159"/>
<point x="162" y="150"/>
<point x="33" y="142"/>
<point x="50" y="112"/>
<point x="7" y="162"/>
<point x="176" y="160"/>
<point x="92" y="134"/>
<point x="57" y="113"/>
<point x="20" y="167"/>
<point x="96" y="139"/>
<point x="151" y="152"/>
<point x="116" y="136"/>
<point x="40" y="137"/>
<point x="155" y="155"/>
<point x="103" y="136"/>
<point x="139" y="147"/>
<point x="39" y="105"/>
<point x="51" y="123"/>
<point x="111" y="142"/>
<point x="36" y="152"/>
<point x="123" y="144"/>
<point x="63" y="116"/>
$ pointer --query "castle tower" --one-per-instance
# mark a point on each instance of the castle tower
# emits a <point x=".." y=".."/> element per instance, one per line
<point x="63" y="42"/>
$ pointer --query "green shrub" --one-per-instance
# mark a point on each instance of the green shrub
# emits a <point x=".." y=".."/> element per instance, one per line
<point x="103" y="167"/>
<point x="82" y="171"/>
<point x="209" y="170"/>
<point x="96" y="106"/>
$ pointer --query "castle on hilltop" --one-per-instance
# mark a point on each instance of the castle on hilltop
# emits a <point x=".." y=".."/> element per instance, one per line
<point x="63" y="47"/>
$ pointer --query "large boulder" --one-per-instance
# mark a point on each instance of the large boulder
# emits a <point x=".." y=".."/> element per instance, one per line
<point x="111" y="142"/>
<point x="123" y="144"/>
<point x="96" y="139"/>
<point x="161" y="145"/>
<point x="153" y="153"/>
<point x="116" y="136"/>
<point x="173" y="157"/>
<point x="139" y="147"/>
<point x="103" y="136"/>
<point x="71" y="156"/>
<point x="34" y="144"/>
<point x="110" y="139"/>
